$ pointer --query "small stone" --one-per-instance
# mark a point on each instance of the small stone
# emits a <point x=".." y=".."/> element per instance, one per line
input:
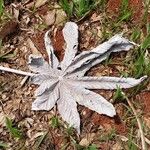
<point x="4" y="96"/>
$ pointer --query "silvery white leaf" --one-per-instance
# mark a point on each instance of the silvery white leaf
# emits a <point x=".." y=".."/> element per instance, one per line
<point x="70" y="33"/>
<point x="67" y="107"/>
<point x="87" y="59"/>
<point x="66" y="86"/>
<point x="53" y="61"/>
<point x="47" y="100"/>
<point x="93" y="101"/>
<point x="106" y="82"/>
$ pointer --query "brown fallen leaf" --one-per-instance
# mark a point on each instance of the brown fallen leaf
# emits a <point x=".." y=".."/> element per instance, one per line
<point x="8" y="28"/>
<point x="32" y="47"/>
<point x="39" y="3"/>
<point x="117" y="146"/>
<point x="86" y="141"/>
<point x="109" y="123"/>
<point x="49" y="18"/>
<point x="15" y="11"/>
<point x="147" y="121"/>
<point x="60" y="17"/>
<point x="95" y="17"/>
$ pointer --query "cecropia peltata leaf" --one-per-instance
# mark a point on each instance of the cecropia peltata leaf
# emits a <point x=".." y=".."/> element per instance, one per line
<point x="37" y="64"/>
<point x="63" y="83"/>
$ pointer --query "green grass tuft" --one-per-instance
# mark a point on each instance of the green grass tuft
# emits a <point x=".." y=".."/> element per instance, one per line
<point x="1" y="7"/>
<point x="79" y="8"/>
<point x="16" y="133"/>
<point x="55" y="122"/>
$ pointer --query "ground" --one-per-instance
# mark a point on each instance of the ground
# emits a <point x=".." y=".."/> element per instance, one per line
<point x="22" y="27"/>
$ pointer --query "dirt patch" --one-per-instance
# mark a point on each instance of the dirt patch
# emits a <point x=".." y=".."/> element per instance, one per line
<point x="136" y="6"/>
<point x="113" y="6"/>
<point x="109" y="123"/>
<point x="144" y="98"/>
<point x="58" y="43"/>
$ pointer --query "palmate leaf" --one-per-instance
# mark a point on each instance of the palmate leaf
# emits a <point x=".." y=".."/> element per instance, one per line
<point x="63" y="83"/>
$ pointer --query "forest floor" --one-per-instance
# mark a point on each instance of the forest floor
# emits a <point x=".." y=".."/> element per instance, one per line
<point x="22" y="27"/>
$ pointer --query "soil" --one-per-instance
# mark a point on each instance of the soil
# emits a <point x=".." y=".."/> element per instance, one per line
<point x="136" y="6"/>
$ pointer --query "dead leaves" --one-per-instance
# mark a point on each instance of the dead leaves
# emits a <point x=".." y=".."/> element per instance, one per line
<point x="39" y="3"/>
<point x="50" y="18"/>
<point x="8" y="28"/>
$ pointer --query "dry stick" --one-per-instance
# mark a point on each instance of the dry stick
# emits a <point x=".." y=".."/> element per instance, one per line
<point x="24" y="81"/>
<point x="147" y="141"/>
<point x="16" y="71"/>
<point x="139" y="123"/>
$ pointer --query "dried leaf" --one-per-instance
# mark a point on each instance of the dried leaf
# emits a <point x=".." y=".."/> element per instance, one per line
<point x="60" y="17"/>
<point x="38" y="64"/>
<point x="93" y="101"/>
<point x="50" y="18"/>
<point x="39" y="3"/>
<point x="65" y="84"/>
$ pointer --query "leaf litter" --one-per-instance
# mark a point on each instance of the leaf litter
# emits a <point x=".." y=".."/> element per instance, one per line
<point x="64" y="82"/>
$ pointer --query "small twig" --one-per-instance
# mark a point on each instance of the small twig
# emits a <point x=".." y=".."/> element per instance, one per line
<point x="16" y="71"/>
<point x="123" y="138"/>
<point x="23" y="81"/>
<point x="139" y="123"/>
<point x="3" y="55"/>
<point x="147" y="141"/>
